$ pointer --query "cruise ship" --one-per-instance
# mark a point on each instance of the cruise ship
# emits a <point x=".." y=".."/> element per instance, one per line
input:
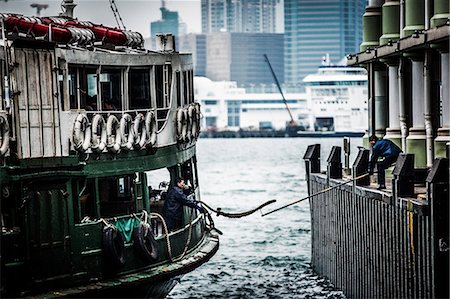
<point x="334" y="105"/>
<point x="337" y="101"/>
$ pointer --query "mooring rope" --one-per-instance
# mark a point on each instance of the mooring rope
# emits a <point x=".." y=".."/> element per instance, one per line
<point x="315" y="194"/>
<point x="219" y="211"/>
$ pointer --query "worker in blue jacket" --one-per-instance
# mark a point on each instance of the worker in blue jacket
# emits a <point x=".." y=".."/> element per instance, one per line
<point x="386" y="149"/>
<point x="173" y="205"/>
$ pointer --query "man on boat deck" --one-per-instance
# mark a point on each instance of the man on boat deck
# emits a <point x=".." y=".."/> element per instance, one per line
<point x="386" y="149"/>
<point x="173" y="205"/>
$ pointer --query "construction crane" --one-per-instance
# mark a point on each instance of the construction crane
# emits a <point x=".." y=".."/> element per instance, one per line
<point x="291" y="127"/>
<point x="39" y="7"/>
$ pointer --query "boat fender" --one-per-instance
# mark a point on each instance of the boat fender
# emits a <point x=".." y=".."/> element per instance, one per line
<point x="140" y="137"/>
<point x="151" y="128"/>
<point x="4" y="135"/>
<point x="113" y="246"/>
<point x="81" y="133"/>
<point x="180" y="123"/>
<point x="98" y="142"/>
<point x="185" y="127"/>
<point x="114" y="138"/>
<point x="193" y="122"/>
<point x="126" y="132"/>
<point x="145" y="242"/>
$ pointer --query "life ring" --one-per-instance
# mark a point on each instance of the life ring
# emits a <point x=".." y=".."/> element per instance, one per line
<point x="181" y="124"/>
<point x="151" y="128"/>
<point x="98" y="142"/>
<point x="193" y="122"/>
<point x="140" y="135"/>
<point x="113" y="246"/>
<point x="197" y="114"/>
<point x="113" y="136"/>
<point x="81" y="133"/>
<point x="4" y="135"/>
<point x="145" y="242"/>
<point x="185" y="128"/>
<point x="126" y="132"/>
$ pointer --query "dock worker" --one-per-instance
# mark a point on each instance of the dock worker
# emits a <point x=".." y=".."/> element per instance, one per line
<point x="173" y="205"/>
<point x="382" y="148"/>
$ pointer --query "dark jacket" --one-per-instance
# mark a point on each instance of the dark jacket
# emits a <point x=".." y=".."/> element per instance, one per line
<point x="383" y="148"/>
<point x="173" y="205"/>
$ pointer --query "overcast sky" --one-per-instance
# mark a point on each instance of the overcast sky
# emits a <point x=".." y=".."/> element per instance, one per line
<point x="136" y="14"/>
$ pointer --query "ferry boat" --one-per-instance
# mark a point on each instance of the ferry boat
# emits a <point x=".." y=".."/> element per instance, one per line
<point x="336" y="97"/>
<point x="88" y="121"/>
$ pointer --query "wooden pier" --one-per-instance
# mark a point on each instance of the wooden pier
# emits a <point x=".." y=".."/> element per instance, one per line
<point x="380" y="244"/>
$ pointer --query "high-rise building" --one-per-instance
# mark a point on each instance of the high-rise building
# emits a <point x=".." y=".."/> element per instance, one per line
<point x="235" y="56"/>
<point x="314" y="29"/>
<point x="169" y="23"/>
<point x="238" y="16"/>
<point x="195" y="44"/>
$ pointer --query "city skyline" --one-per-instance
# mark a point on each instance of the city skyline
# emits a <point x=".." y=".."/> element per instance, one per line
<point x="136" y="14"/>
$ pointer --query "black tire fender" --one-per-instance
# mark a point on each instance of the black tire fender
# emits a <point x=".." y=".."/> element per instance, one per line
<point x="145" y="242"/>
<point x="114" y="246"/>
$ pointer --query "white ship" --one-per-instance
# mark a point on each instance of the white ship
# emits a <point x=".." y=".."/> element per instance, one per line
<point x="337" y="101"/>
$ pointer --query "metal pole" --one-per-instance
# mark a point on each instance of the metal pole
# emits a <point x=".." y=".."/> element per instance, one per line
<point x="279" y="88"/>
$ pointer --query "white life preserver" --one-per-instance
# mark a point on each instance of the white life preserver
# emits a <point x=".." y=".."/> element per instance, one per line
<point x="4" y="135"/>
<point x="185" y="130"/>
<point x="181" y="124"/>
<point x="192" y="122"/>
<point x="126" y="132"/>
<point x="98" y="141"/>
<point x="81" y="133"/>
<point x="113" y="136"/>
<point x="140" y="137"/>
<point x="151" y="128"/>
<point x="197" y="115"/>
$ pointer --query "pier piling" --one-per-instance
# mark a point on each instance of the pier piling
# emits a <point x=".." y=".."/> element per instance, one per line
<point x="382" y="244"/>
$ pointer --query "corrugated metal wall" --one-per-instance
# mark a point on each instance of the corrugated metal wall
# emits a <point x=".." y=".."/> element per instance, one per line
<point x="370" y="246"/>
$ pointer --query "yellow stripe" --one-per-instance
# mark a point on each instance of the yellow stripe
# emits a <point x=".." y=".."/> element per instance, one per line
<point x="411" y="231"/>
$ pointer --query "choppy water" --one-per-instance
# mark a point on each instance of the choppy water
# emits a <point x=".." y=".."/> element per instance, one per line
<point x="259" y="257"/>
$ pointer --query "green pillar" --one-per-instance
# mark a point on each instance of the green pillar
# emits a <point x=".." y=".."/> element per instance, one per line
<point x="441" y="13"/>
<point x="393" y="131"/>
<point x="391" y="21"/>
<point x="416" y="141"/>
<point x="443" y="133"/>
<point x="371" y="28"/>
<point x="414" y="16"/>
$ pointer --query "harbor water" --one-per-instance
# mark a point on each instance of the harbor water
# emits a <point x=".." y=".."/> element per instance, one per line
<point x="259" y="257"/>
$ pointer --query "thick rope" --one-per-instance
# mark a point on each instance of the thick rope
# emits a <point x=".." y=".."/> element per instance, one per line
<point x="315" y="194"/>
<point x="219" y="211"/>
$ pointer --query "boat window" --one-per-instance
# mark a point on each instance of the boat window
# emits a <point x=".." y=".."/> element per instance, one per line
<point x="185" y="88"/>
<point x="82" y="85"/>
<point x="111" y="89"/>
<point x="85" y="206"/>
<point x="2" y="88"/>
<point x="72" y="85"/>
<point x="158" y="182"/>
<point x="188" y="173"/>
<point x="159" y="88"/>
<point x="116" y="196"/>
<point x="177" y="88"/>
<point x="163" y="84"/>
<point x="139" y="88"/>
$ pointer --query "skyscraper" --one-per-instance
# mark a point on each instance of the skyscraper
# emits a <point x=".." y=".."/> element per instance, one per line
<point x="315" y="28"/>
<point x="238" y="16"/>
<point x="239" y="56"/>
<point x="168" y="23"/>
